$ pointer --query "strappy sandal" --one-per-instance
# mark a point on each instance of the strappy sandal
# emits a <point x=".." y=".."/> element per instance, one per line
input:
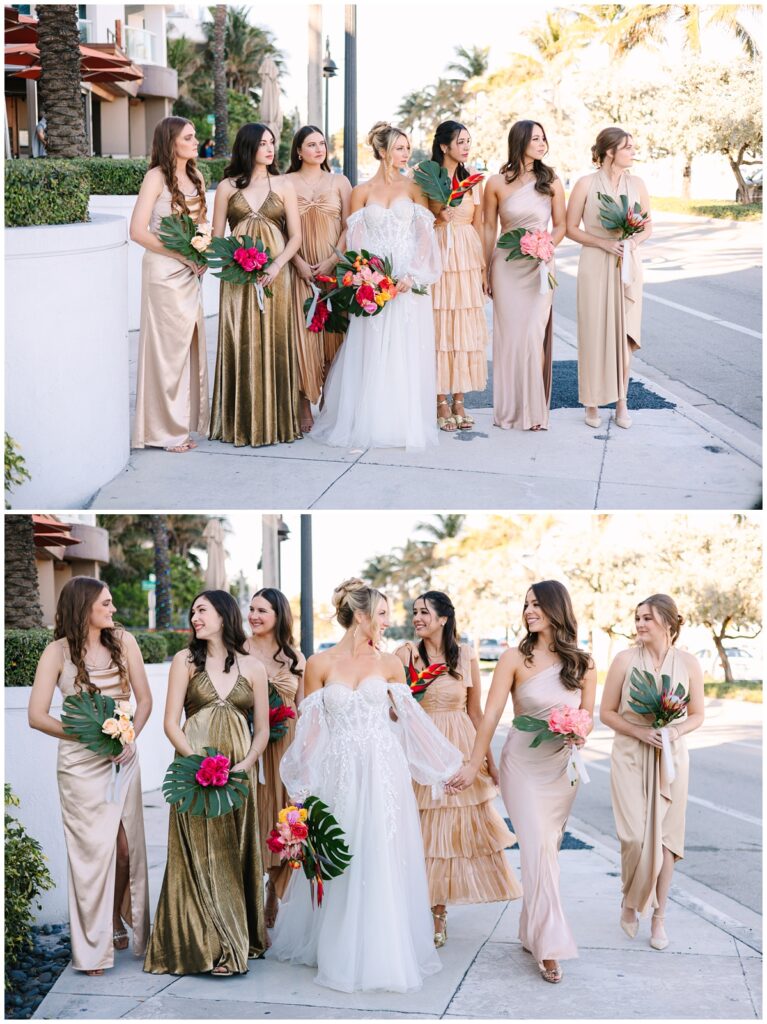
<point x="305" y="418"/>
<point x="221" y="972"/>
<point x="446" y="423"/>
<point x="440" y="937"/>
<point x="551" y="974"/>
<point x="120" y="938"/>
<point x="95" y="974"/>
<point x="185" y="446"/>
<point x="659" y="943"/>
<point x="464" y="422"/>
<point x="272" y="905"/>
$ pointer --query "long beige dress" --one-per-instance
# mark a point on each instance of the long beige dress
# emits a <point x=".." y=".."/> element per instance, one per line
<point x="649" y="811"/>
<point x="321" y="228"/>
<point x="91" y="825"/>
<point x="172" y="377"/>
<point x="539" y="797"/>
<point x="522" y="321"/>
<point x="609" y="312"/>
<point x="255" y="390"/>
<point x="460" y="327"/>
<point x="463" y="835"/>
<point x="272" y="795"/>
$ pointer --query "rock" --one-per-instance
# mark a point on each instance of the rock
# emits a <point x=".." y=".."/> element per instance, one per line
<point x="16" y="975"/>
<point x="46" y="929"/>
<point x="45" y="978"/>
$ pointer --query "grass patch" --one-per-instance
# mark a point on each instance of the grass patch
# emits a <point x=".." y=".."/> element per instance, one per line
<point x="739" y="689"/>
<point x="724" y="208"/>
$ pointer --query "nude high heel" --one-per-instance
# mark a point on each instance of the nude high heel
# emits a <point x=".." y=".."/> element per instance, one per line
<point x="630" y="927"/>
<point x="661" y="942"/>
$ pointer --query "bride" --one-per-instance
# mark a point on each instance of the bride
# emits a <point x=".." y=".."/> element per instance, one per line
<point x="381" y="386"/>
<point x="360" y="736"/>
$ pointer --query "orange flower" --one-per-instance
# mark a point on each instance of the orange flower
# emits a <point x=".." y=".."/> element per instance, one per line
<point x="347" y="279"/>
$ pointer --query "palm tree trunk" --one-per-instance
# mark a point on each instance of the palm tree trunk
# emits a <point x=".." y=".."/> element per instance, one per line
<point x="22" y="592"/>
<point x="219" y="80"/>
<point x="61" y="100"/>
<point x="162" y="571"/>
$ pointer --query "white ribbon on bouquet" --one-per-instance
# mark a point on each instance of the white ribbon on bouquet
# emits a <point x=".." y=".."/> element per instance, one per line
<point x="315" y="299"/>
<point x="543" y="271"/>
<point x="627" y="264"/>
<point x="668" y="760"/>
<point x="260" y="295"/>
<point x="112" y="795"/>
<point x="261" y="776"/>
<point x="576" y="767"/>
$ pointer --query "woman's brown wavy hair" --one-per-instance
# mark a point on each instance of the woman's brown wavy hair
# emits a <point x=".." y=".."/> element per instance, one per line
<point x="520" y="134"/>
<point x="164" y="157"/>
<point x="555" y="603"/>
<point x="283" y="626"/>
<point x="73" y="611"/>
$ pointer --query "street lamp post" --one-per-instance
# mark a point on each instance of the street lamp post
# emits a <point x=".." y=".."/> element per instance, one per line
<point x="329" y="69"/>
<point x="307" y="602"/>
<point x="350" y="92"/>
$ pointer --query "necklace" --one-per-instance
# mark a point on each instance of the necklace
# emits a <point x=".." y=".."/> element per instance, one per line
<point x="659" y="666"/>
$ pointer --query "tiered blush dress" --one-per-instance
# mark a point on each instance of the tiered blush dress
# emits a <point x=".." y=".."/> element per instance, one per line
<point x="649" y="810"/>
<point x="172" y="376"/>
<point x="522" y="324"/>
<point x="539" y="797"/>
<point x="211" y="908"/>
<point x="609" y="311"/>
<point x="255" y="391"/>
<point x="91" y="824"/>
<point x="463" y="835"/>
<point x="460" y="327"/>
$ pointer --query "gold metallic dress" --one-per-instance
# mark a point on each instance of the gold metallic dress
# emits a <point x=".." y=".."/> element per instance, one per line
<point x="211" y="908"/>
<point x="91" y="825"/>
<point x="255" y="391"/>
<point x="172" y="376"/>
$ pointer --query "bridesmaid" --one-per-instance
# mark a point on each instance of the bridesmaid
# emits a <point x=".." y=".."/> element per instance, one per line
<point x="323" y="205"/>
<point x="609" y="310"/>
<point x="272" y="643"/>
<point x="172" y="380"/>
<point x="106" y="850"/>
<point x="255" y="391"/>
<point x="210" y="916"/>
<point x="649" y="809"/>
<point x="460" y="326"/>
<point x="463" y="835"/>
<point x="546" y="671"/>
<point x="526" y="194"/>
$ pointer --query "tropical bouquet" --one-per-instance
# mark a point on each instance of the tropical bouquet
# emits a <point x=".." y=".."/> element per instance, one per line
<point x="436" y="184"/>
<point x="615" y="216"/>
<point x="419" y="682"/>
<point x="538" y="245"/>
<point x="240" y="259"/>
<point x="308" y="836"/>
<point x="563" y="723"/>
<point x="103" y="725"/>
<point x="179" y="233"/>
<point x="665" y="706"/>
<point x="204" y="785"/>
<point x="279" y="714"/>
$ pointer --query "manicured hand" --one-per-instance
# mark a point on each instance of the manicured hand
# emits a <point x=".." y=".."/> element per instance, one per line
<point x="127" y="755"/>
<point x="446" y="214"/>
<point x="268" y="276"/>
<point x="613" y="245"/>
<point x="462" y="779"/>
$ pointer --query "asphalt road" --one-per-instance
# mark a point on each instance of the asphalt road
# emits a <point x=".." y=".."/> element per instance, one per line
<point x="702" y="311"/>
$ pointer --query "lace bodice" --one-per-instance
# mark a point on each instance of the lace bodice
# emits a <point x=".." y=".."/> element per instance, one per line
<point x="404" y="231"/>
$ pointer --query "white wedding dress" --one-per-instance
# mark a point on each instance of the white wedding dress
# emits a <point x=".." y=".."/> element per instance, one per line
<point x="381" y="389"/>
<point x="374" y="929"/>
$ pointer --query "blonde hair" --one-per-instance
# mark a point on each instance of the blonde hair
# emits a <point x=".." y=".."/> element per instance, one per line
<point x="382" y="138"/>
<point x="608" y="140"/>
<point x="354" y="595"/>
<point x="667" y="612"/>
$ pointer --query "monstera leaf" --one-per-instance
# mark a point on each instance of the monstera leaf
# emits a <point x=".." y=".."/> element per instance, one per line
<point x="180" y="787"/>
<point x="434" y="181"/>
<point x="327" y="847"/>
<point x="175" y="232"/>
<point x="527" y="723"/>
<point x="645" y="698"/>
<point x="83" y="715"/>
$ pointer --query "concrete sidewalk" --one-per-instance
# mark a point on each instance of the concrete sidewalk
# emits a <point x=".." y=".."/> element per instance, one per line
<point x="712" y="968"/>
<point x="695" y="455"/>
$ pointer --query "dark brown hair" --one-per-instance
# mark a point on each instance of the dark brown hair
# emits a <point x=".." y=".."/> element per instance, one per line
<point x="445" y="134"/>
<point x="243" y="158"/>
<point x="520" y="134"/>
<point x="608" y="140"/>
<point x="555" y="603"/>
<point x="667" y="612"/>
<point x="298" y="140"/>
<point x="164" y="157"/>
<point x="283" y="627"/>
<point x="234" y="635"/>
<point x="443" y="606"/>
<point x="73" y="610"/>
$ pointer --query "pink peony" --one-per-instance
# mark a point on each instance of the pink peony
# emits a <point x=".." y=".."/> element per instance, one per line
<point x="370" y="307"/>
<point x="365" y="294"/>
<point x="213" y="771"/>
<point x="537" y="244"/>
<point x="300" y="831"/>
<point x="261" y="259"/>
<point x="274" y="841"/>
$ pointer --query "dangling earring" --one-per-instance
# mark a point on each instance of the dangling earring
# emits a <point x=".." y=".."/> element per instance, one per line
<point x="300" y="158"/>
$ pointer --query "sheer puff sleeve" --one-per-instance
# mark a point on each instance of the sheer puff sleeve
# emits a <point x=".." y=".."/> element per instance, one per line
<point x="431" y="757"/>
<point x="425" y="263"/>
<point x="301" y="764"/>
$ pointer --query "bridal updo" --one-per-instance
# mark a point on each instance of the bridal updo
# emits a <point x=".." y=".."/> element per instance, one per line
<point x="665" y="610"/>
<point x="608" y="140"/>
<point x="382" y="138"/>
<point x="354" y="595"/>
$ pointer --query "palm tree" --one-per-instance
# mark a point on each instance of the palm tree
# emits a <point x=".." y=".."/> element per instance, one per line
<point x="220" y="108"/>
<point x="159" y="527"/>
<point x="22" y="591"/>
<point x="471" y="63"/>
<point x="58" y="39"/>
<point x="246" y="45"/>
<point x="187" y="61"/>
<point x="447" y="526"/>
<point x="186" y="532"/>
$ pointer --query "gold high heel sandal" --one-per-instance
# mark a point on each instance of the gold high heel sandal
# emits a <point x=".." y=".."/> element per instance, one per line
<point x="440" y="937"/>
<point x="551" y="974"/>
<point x="120" y="938"/>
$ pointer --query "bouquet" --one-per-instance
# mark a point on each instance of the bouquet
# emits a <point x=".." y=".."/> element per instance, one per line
<point x="307" y="835"/>
<point x="615" y="217"/>
<point x="241" y="260"/>
<point x="419" y="682"/>
<point x="321" y="313"/>
<point x="279" y="714"/>
<point x="101" y="724"/>
<point x="665" y="706"/>
<point x="204" y="785"/>
<point x="524" y="244"/>
<point x="179" y="233"/>
<point x="435" y="183"/>
<point x="563" y="723"/>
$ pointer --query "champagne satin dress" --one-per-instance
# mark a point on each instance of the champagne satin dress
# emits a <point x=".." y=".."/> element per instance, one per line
<point x="649" y="810"/>
<point x="172" y="375"/>
<point x="211" y="907"/>
<point x="522" y="321"/>
<point x="609" y="312"/>
<point x="321" y="227"/>
<point x="91" y="825"/>
<point x="272" y="795"/>
<point x="255" y="390"/>
<point x="460" y="327"/>
<point x="539" y="797"/>
<point x="463" y="835"/>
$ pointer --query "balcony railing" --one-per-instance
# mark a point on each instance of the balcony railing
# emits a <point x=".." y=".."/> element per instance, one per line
<point x="140" y="45"/>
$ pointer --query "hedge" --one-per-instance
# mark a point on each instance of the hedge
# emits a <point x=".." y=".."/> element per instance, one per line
<point x="175" y="639"/>
<point x="152" y="646"/>
<point x="45" y="192"/>
<point x="23" y="648"/>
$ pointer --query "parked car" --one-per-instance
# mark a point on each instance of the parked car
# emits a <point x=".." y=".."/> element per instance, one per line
<point x="743" y="664"/>
<point x="491" y="650"/>
<point x="754" y="185"/>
